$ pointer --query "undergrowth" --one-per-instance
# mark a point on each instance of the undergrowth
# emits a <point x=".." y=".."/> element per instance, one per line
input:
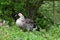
<point x="15" y="33"/>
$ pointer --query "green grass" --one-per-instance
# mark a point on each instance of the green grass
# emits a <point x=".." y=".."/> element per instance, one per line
<point x="15" y="33"/>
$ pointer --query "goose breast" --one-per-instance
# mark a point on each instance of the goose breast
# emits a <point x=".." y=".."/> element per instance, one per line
<point x="19" y="22"/>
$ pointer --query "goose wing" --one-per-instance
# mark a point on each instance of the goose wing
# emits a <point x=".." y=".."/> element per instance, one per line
<point x="30" y="24"/>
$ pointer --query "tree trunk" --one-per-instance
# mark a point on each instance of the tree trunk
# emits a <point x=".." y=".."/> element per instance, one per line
<point x="32" y="10"/>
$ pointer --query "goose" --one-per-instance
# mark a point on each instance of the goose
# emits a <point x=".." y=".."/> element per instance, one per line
<point x="25" y="24"/>
<point x="1" y="23"/>
<point x="4" y="23"/>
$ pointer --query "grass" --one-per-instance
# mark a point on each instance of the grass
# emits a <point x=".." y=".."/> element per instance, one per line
<point x="15" y="33"/>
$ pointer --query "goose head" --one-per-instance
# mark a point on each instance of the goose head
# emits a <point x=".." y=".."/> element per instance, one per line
<point x="21" y="17"/>
<point x="20" y="14"/>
